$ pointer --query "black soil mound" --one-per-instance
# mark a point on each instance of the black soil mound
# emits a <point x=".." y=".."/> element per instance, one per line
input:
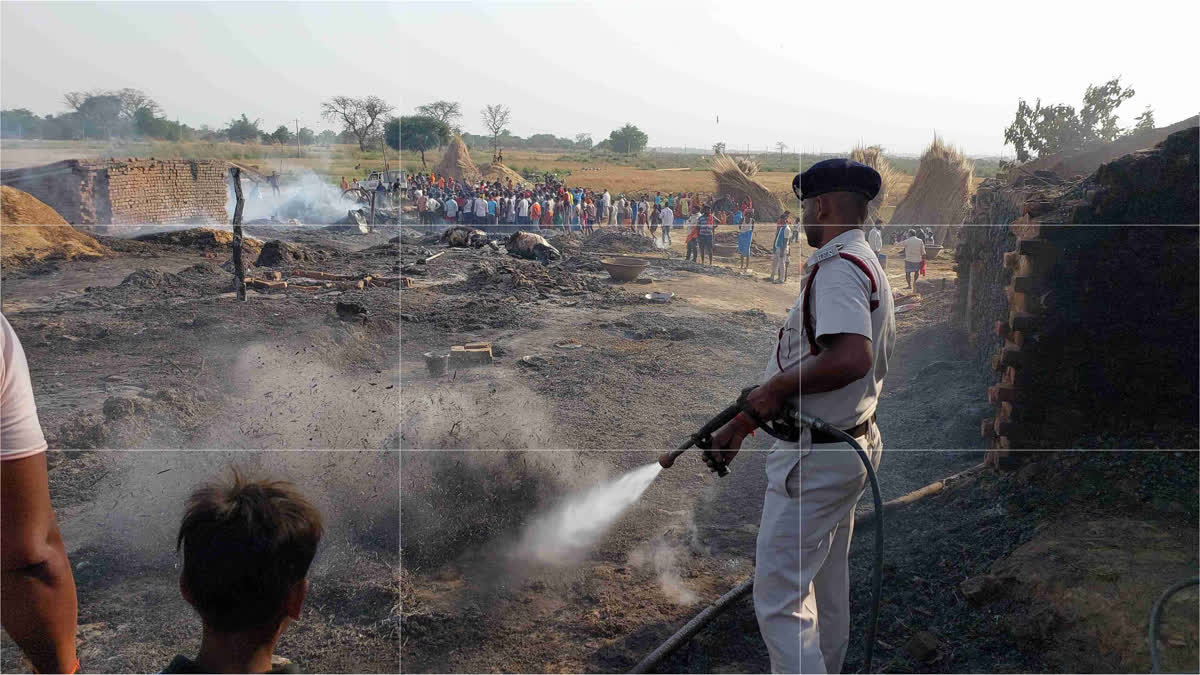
<point x="276" y="252"/>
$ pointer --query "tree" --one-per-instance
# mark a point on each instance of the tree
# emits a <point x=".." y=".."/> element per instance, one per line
<point x="391" y="133"/>
<point x="20" y="123"/>
<point x="327" y="137"/>
<point x="541" y="141"/>
<point x="421" y="133"/>
<point x="781" y="146"/>
<point x="1145" y="120"/>
<point x="628" y="139"/>
<point x="603" y="146"/>
<point x="357" y="115"/>
<point x="446" y="111"/>
<point x="282" y="135"/>
<point x="718" y="148"/>
<point x="102" y="113"/>
<point x="1043" y="130"/>
<point x="243" y="130"/>
<point x="307" y="137"/>
<point x="133" y="100"/>
<point x="495" y="118"/>
<point x="583" y="141"/>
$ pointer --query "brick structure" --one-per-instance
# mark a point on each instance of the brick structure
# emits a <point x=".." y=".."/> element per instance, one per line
<point x="134" y="191"/>
<point x="1090" y="329"/>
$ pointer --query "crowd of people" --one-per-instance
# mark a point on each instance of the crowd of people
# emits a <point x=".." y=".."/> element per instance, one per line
<point x="549" y="204"/>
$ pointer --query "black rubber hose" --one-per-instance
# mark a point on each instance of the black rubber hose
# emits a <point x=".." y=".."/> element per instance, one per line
<point x="1156" y="617"/>
<point x="692" y="627"/>
<point x="877" y="576"/>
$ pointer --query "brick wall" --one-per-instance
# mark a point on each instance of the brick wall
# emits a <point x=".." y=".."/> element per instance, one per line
<point x="135" y="191"/>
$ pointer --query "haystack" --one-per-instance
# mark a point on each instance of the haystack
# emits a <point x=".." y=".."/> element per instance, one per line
<point x="42" y="234"/>
<point x="21" y="208"/>
<point x="456" y="163"/>
<point x="498" y="172"/>
<point x="733" y="183"/>
<point x="748" y="166"/>
<point x="940" y="194"/>
<point x="872" y="156"/>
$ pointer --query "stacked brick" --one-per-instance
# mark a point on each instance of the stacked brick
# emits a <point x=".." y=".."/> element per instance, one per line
<point x="1091" y="329"/>
<point x="135" y="191"/>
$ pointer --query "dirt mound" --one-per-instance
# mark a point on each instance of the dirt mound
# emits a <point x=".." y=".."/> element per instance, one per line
<point x="456" y="163"/>
<point x="203" y="239"/>
<point x="498" y="172"/>
<point x="21" y="208"/>
<point x="276" y="252"/>
<point x="36" y="243"/>
<point x="613" y="241"/>
<point x="527" y="279"/>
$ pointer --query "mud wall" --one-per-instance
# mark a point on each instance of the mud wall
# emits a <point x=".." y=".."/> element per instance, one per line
<point x="136" y="191"/>
<point x="59" y="186"/>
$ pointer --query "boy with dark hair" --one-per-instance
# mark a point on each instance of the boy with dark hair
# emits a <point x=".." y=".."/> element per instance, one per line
<point x="247" y="547"/>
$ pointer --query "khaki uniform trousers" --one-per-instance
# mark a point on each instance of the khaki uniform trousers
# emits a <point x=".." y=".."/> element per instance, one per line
<point x="777" y="560"/>
<point x="832" y="478"/>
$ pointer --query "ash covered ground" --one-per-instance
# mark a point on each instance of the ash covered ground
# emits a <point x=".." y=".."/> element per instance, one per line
<point x="119" y="513"/>
<point x="645" y="374"/>
<point x="149" y="348"/>
<point x="472" y="602"/>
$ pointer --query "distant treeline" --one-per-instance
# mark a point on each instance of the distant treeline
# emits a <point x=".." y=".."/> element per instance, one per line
<point x="985" y="167"/>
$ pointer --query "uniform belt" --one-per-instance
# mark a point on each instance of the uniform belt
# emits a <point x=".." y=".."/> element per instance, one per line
<point x="854" y="432"/>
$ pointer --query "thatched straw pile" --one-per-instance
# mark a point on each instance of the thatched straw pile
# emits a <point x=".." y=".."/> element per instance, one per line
<point x="872" y="156"/>
<point x="941" y="192"/>
<point x="733" y="183"/>
<point x="498" y="172"/>
<point x="748" y="166"/>
<point x="456" y="163"/>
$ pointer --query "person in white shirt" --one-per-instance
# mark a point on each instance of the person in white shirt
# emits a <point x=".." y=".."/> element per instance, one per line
<point x="451" y="211"/>
<point x="914" y="254"/>
<point x="481" y="210"/>
<point x="523" y="211"/>
<point x="875" y="239"/>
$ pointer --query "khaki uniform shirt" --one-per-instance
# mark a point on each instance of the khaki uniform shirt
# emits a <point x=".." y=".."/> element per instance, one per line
<point x="841" y="303"/>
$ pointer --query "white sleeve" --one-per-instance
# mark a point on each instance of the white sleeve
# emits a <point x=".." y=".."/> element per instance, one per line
<point x="20" y="431"/>
<point x="841" y="297"/>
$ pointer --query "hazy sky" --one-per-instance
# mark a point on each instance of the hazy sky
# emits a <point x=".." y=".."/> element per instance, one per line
<point x="563" y="68"/>
<point x="813" y="75"/>
<point x="206" y="62"/>
<point x="588" y="67"/>
<point x="899" y="71"/>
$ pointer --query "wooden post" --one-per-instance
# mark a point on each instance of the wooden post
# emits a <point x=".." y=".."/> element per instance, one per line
<point x="239" y="270"/>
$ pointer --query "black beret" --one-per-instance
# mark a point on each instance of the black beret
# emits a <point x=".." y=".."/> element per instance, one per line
<point x="839" y="175"/>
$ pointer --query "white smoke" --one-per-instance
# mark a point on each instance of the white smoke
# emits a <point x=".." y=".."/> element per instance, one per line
<point x="307" y="198"/>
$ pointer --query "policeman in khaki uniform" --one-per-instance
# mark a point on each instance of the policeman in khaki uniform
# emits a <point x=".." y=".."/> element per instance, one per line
<point x="848" y="333"/>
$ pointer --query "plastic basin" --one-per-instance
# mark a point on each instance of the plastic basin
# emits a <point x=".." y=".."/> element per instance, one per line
<point x="624" y="269"/>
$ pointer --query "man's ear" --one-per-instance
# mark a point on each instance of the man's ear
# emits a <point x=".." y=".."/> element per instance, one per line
<point x="183" y="590"/>
<point x="295" y="599"/>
